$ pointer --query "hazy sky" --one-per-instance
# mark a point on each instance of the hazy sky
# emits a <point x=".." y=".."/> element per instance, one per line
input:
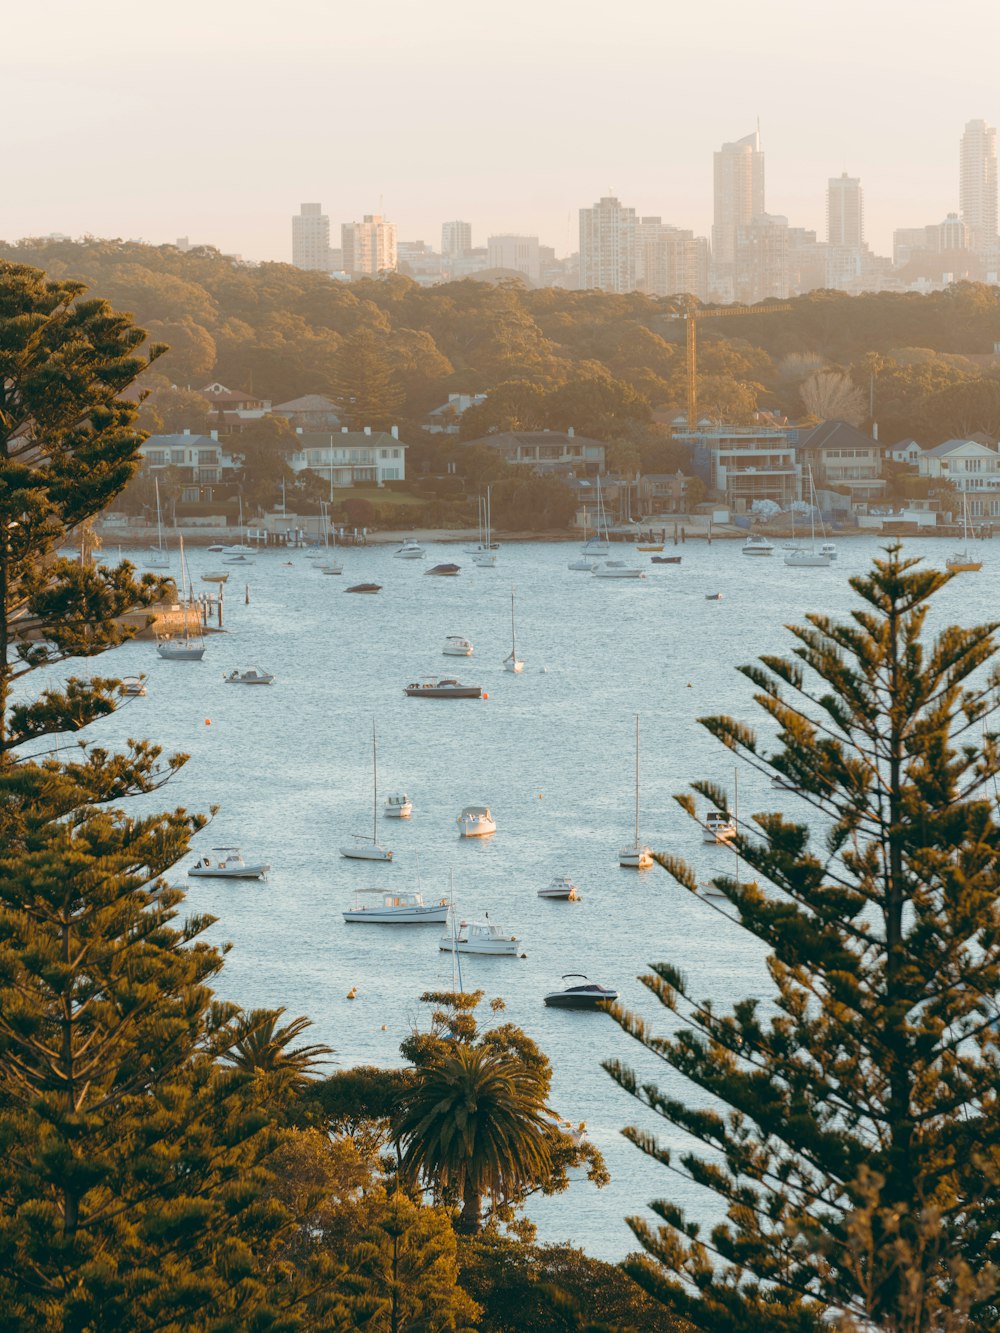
<point x="216" y="119"/>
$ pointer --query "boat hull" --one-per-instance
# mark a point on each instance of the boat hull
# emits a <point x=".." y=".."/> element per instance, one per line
<point x="808" y="560"/>
<point x="441" y="692"/>
<point x="635" y="858"/>
<point x="218" y="872"/>
<point x="410" y="916"/>
<point x="180" y="652"/>
<point x="363" y="853"/>
<point x="492" y="949"/>
<point x="566" y="1000"/>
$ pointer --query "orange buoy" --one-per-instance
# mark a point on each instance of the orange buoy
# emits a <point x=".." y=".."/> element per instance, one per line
<point x="485" y="695"/>
<point x="208" y="721"/>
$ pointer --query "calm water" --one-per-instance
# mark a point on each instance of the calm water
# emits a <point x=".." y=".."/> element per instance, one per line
<point x="551" y="751"/>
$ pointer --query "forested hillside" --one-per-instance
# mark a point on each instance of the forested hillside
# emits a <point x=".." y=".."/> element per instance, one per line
<point x="598" y="362"/>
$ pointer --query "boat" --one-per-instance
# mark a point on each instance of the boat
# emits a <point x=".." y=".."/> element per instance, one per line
<point x="236" y="560"/>
<point x="158" y="557"/>
<point x="585" y="994"/>
<point x="365" y="587"/>
<point x="810" y="557"/>
<point x="251" y="676"/>
<point x="757" y="544"/>
<point x="475" y="821"/>
<point x="665" y="560"/>
<point x="232" y="866"/>
<point x="962" y="562"/>
<point x="215" y="576"/>
<point x="188" y="646"/>
<point x="636" y="857"/>
<point x="600" y="544"/>
<point x="456" y="646"/>
<point x="718" y="827"/>
<point x="410" y="550"/>
<point x="239" y="548"/>
<point x="560" y="889"/>
<point x="481" y="937"/>
<point x="585" y="563"/>
<point x="216" y="546"/>
<point x="396" y="909"/>
<point x="397" y="805"/>
<point x="444" y="570"/>
<point x="649" y="548"/>
<point x="436" y="687"/>
<point x="512" y="662"/>
<point x="828" y="548"/>
<point x="329" y="564"/>
<point x="365" y="848"/>
<point x="484" y="554"/>
<point x="616" y="569"/>
<point x="132" y="687"/>
<point x="713" y="597"/>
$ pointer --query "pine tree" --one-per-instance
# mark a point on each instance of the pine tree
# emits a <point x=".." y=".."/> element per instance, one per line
<point x="365" y="387"/>
<point x="853" y="1134"/>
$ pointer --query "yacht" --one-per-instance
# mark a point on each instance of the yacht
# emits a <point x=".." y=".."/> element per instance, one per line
<point x="616" y="569"/>
<point x="479" y="937"/>
<point x="158" y="557"/>
<point x="456" y="646"/>
<point x="598" y="545"/>
<point x="232" y="866"/>
<point x="396" y="909"/>
<point x="364" y="848"/>
<point x="185" y="648"/>
<point x="475" y="821"/>
<point x="718" y="827"/>
<point x="757" y="544"/>
<point x="132" y="686"/>
<point x="811" y="557"/>
<point x="251" y="676"/>
<point x="512" y="662"/>
<point x="636" y="857"/>
<point x="584" y="994"/>
<point x="442" y="688"/>
<point x="397" y="805"/>
<point x="560" y="889"/>
<point x="963" y="562"/>
<point x="410" y="550"/>
<point x="484" y="554"/>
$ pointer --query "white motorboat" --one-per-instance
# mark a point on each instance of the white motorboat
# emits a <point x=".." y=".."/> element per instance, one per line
<point x="481" y="937"/>
<point x="231" y="866"/>
<point x="364" y="848"/>
<point x="616" y="569"/>
<point x="158" y="557"/>
<point x="828" y="549"/>
<point x="251" y="676"/>
<point x="757" y="544"/>
<point x="475" y="821"/>
<point x="718" y="827"/>
<point x="560" y="888"/>
<point x="585" y="564"/>
<point x="636" y="857"/>
<point x="436" y="687"/>
<point x="456" y="646"/>
<point x="512" y="662"/>
<point x="132" y="686"/>
<point x="397" y="806"/>
<point x="584" y="994"/>
<point x="238" y="548"/>
<point x="397" y="909"/>
<point x="410" y="550"/>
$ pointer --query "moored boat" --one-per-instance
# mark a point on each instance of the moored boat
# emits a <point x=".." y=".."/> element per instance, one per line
<point x="757" y="544"/>
<point x="585" y="994"/>
<point x="476" y="821"/>
<point x="435" y="687"/>
<point x="396" y="909"/>
<point x="482" y="937"/>
<point x="560" y="889"/>
<point x="232" y="866"/>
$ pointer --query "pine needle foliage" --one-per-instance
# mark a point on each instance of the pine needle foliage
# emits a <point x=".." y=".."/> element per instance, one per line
<point x="851" y="1127"/>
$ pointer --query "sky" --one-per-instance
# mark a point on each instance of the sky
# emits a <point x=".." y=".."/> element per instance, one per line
<point x="215" y="120"/>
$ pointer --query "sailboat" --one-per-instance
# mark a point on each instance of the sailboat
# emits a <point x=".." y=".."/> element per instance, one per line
<point x="158" y="556"/>
<point x="365" y="848"/>
<point x="485" y="554"/>
<point x="597" y="546"/>
<point x="636" y="857"/>
<point x="238" y="548"/>
<point x="962" y="562"/>
<point x="187" y="646"/>
<point x="512" y="662"/>
<point x="329" y="564"/>
<point x="809" y="557"/>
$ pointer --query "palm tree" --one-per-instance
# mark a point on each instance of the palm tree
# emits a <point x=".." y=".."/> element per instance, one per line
<point x="475" y="1123"/>
<point x="261" y="1048"/>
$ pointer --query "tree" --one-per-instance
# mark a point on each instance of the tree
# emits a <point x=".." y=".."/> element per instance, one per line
<point x="364" y="386"/>
<point x="858" y="1157"/>
<point x="833" y="396"/>
<point x="263" y="1049"/>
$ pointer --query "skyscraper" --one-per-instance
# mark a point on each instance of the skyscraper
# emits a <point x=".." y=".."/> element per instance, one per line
<point x="845" y="212"/>
<point x="977" y="186"/>
<point x="739" y="194"/>
<point x="517" y="253"/>
<point x="607" y="246"/>
<point x="311" y="238"/>
<point x="456" y="238"/>
<point x="369" y="246"/>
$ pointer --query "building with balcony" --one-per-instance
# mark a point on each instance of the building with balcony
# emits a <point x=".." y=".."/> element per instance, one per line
<point x="745" y="463"/>
<point x="972" y="468"/>
<point x="350" y="457"/>
<point x="368" y="248"/>
<point x="199" y="457"/>
<point x="844" y="459"/>
<point x="546" y="450"/>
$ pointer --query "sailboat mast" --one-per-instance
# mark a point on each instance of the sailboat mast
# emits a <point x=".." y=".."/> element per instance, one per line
<point x="513" y="641"/>
<point x="374" y="787"/>
<point x="637" y="779"/>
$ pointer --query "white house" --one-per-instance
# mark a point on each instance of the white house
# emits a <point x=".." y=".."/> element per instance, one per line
<point x="905" y="451"/>
<point x="972" y="468"/>
<point x="351" y="457"/>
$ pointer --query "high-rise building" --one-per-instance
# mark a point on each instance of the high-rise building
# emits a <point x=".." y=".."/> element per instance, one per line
<point x="845" y="212"/>
<point x="456" y="239"/>
<point x="369" y="246"/>
<point x="977" y="187"/>
<point x="739" y="195"/>
<point x="517" y="253"/>
<point x="669" y="261"/>
<point x="607" y="246"/>
<point x="761" y="268"/>
<point x="311" y="238"/>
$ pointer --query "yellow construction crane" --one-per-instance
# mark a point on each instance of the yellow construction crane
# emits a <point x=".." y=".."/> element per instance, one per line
<point x="691" y="315"/>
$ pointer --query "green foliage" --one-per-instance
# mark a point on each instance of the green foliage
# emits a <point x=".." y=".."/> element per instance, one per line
<point x="853" y="1134"/>
<point x="364" y="385"/>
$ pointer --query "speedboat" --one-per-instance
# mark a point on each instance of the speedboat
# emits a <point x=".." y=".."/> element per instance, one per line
<point x="456" y="646"/>
<point x="586" y="994"/>
<point x="397" y="805"/>
<point x="757" y="544"/>
<point x="397" y="909"/>
<point x="479" y="937"/>
<point x="475" y="821"/>
<point x="132" y="686"/>
<point x="232" y="866"/>
<point x="561" y="889"/>
<point x="616" y="569"/>
<point x="442" y="688"/>
<point x="718" y="827"/>
<point x="187" y="648"/>
<point x="410" y="550"/>
<point x="447" y="570"/>
<point x="252" y="676"/>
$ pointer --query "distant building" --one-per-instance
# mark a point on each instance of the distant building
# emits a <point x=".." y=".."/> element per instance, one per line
<point x="418" y="261"/>
<point x="669" y="261"/>
<point x="518" y="253"/>
<point x="904" y="451"/>
<point x="369" y="246"/>
<point x="845" y="212"/>
<point x="970" y="467"/>
<point x="313" y="411"/>
<point x="199" y="457"/>
<point x="761" y="264"/>
<point x="456" y="238"/>
<point x="546" y="450"/>
<point x="311" y="238"/>
<point x="843" y="458"/>
<point x="745" y="463"/>
<point x="444" y="420"/>
<point x="351" y="457"/>
<point x="738" y="179"/>
<point x="977" y="188"/>
<point x="607" y="246"/>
